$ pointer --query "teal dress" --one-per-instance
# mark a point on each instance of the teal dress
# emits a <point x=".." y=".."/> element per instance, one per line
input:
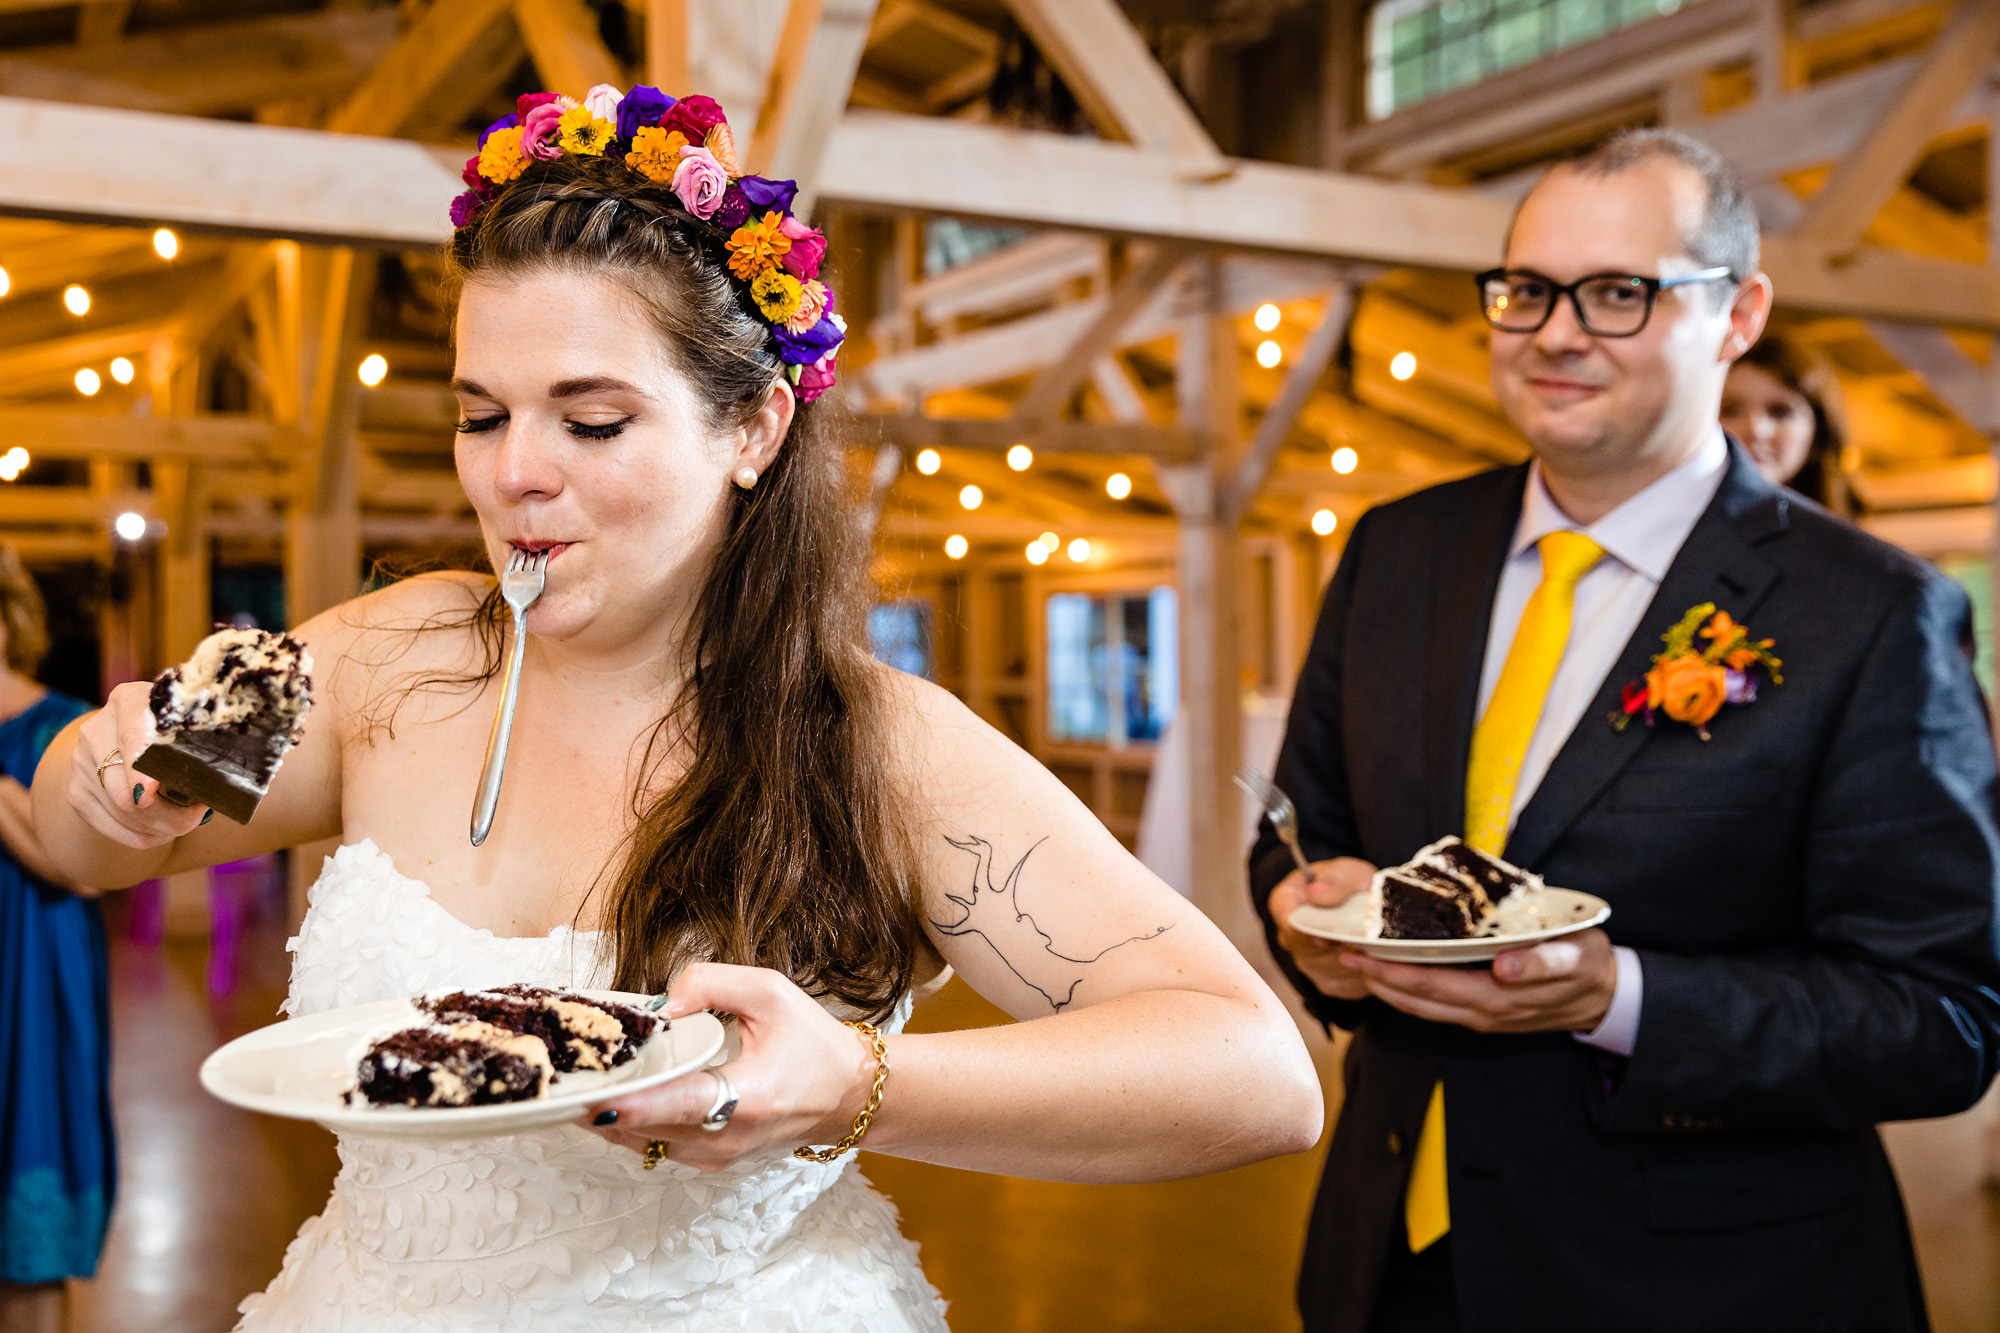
<point x="57" y="1169"/>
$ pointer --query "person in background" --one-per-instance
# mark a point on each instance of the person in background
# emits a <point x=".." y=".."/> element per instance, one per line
<point x="1782" y="401"/>
<point x="57" y="1168"/>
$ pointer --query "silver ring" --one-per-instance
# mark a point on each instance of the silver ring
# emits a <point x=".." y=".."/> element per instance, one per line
<point x="717" y="1118"/>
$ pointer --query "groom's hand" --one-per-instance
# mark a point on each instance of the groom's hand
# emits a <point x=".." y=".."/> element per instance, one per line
<point x="1333" y="882"/>
<point x="1560" y="985"/>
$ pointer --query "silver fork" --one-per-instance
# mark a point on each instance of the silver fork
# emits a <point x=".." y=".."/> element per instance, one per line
<point x="520" y="585"/>
<point x="1279" y="810"/>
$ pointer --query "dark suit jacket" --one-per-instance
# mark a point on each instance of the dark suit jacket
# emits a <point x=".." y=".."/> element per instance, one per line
<point x="1811" y="895"/>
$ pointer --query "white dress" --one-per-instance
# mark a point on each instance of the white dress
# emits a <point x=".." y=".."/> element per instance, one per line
<point x="557" y="1230"/>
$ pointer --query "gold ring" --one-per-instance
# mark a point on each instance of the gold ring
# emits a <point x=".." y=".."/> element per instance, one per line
<point x="656" y="1152"/>
<point x="111" y="757"/>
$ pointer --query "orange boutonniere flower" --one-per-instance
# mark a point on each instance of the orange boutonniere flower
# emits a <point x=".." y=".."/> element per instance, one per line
<point x="1691" y="684"/>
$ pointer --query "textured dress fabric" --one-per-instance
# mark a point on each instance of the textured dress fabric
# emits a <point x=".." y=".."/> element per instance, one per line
<point x="556" y="1229"/>
<point x="57" y="1167"/>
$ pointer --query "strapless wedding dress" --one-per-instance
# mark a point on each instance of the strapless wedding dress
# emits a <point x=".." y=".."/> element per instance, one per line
<point x="557" y="1230"/>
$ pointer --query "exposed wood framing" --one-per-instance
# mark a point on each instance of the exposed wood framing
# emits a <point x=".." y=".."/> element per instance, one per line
<point x="48" y="433"/>
<point x="1061" y="377"/>
<point x="432" y="52"/>
<point x="818" y="54"/>
<point x="666" y="46"/>
<point x="563" y="42"/>
<point x="1301" y="381"/>
<point x="1865" y="179"/>
<point x="913" y="430"/>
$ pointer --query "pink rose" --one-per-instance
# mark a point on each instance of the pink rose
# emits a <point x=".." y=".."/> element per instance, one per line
<point x="808" y="249"/>
<point x="816" y="378"/>
<point x="539" y="130"/>
<point x="527" y="102"/>
<point x="699" y="181"/>
<point x="603" y="101"/>
<point x="693" y="116"/>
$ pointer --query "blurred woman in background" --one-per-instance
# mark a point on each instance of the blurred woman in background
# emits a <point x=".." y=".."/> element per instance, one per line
<point x="56" y="1164"/>
<point x="1783" y="403"/>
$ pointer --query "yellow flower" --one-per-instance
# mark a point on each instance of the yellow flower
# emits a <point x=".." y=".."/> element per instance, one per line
<point x="757" y="245"/>
<point x="656" y="153"/>
<point x="777" y="294"/>
<point x="501" y="160"/>
<point x="580" y="132"/>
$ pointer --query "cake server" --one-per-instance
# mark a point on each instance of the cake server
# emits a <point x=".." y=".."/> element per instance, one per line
<point x="520" y="584"/>
<point x="1279" y="810"/>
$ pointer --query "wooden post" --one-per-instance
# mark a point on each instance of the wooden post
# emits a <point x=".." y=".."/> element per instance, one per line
<point x="323" y="534"/>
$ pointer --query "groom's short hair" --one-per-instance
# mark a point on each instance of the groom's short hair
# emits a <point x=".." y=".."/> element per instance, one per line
<point x="1726" y="236"/>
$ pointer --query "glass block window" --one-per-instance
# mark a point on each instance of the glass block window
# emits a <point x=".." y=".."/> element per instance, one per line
<point x="1419" y="49"/>
<point x="900" y="633"/>
<point x="1114" y="666"/>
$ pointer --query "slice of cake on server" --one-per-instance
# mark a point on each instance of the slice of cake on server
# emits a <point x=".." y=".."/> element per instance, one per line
<point x="1448" y="891"/>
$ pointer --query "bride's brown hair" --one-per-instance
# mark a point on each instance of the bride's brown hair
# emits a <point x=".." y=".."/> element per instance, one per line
<point x="778" y="846"/>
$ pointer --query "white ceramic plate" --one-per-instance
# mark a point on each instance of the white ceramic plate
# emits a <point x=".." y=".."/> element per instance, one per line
<point x="302" y="1068"/>
<point x="1565" y="911"/>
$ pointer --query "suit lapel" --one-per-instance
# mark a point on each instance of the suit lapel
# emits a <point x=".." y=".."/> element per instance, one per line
<point x="1465" y="574"/>
<point x="1719" y="562"/>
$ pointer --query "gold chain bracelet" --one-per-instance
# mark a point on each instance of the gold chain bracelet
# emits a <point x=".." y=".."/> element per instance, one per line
<point x="867" y="1115"/>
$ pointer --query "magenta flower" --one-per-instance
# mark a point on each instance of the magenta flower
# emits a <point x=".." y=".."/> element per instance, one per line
<point x="539" y="131"/>
<point x="693" y="116"/>
<point x="463" y="208"/>
<point x="816" y="378"/>
<point x="527" y="102"/>
<point x="802" y="261"/>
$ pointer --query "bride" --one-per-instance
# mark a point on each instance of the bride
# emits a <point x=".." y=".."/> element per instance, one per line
<point x="710" y="784"/>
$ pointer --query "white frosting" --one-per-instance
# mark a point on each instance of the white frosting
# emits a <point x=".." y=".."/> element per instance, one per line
<point x="235" y="676"/>
<point x="1523" y="910"/>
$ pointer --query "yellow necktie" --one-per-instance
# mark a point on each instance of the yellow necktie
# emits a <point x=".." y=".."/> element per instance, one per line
<point x="1499" y="743"/>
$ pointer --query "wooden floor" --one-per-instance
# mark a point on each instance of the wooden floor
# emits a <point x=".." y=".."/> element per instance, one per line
<point x="211" y="1196"/>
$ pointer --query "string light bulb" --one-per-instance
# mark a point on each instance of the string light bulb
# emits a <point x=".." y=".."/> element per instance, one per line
<point x="1268" y="316"/>
<point x="956" y="546"/>
<point x="1118" y="485"/>
<point x="971" y="497"/>
<point x="76" y="300"/>
<point x="122" y="369"/>
<point x="1269" y="354"/>
<point x="1050" y="540"/>
<point x="1324" y="521"/>
<point x="165" y="244"/>
<point x="88" y="382"/>
<point x="1038" y="554"/>
<point x="6" y="283"/>
<point x="1079" y="551"/>
<point x="374" y="369"/>
<point x="1345" y="460"/>
<point x="1020" y="458"/>
<point x="928" y="462"/>
<point x="130" y="526"/>
<point x="1403" y="365"/>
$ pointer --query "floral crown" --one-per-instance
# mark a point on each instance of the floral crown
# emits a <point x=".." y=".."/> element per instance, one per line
<point x="684" y="144"/>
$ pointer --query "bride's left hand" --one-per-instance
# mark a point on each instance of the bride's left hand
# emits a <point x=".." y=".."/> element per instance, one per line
<point x="800" y="1078"/>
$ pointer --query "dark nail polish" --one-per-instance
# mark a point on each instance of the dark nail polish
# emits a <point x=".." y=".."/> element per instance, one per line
<point x="605" y="1118"/>
<point x="138" y="790"/>
<point x="206" y="815"/>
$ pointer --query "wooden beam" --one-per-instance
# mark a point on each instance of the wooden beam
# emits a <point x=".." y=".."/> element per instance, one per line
<point x="101" y="23"/>
<point x="222" y="439"/>
<point x="911" y="430"/>
<point x="1122" y="396"/>
<point x="818" y="54"/>
<point x="1954" y="378"/>
<point x="1300" y="383"/>
<point x="209" y="69"/>
<point x="432" y="51"/>
<point x="563" y="42"/>
<point x="1104" y="61"/>
<point x="1054" y="383"/>
<point x="1865" y="180"/>
<point x="62" y="355"/>
<point x="242" y="274"/>
<point x="71" y="505"/>
<point x="666" y="46"/>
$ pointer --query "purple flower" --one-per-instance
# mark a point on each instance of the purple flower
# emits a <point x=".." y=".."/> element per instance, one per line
<point x="805" y="349"/>
<point x="506" y="122"/>
<point x="734" y="210"/>
<point x="1738" y="687"/>
<point x="463" y="207"/>
<point x="769" y="194"/>
<point x="642" y="106"/>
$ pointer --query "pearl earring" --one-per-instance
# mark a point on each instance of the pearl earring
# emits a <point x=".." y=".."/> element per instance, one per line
<point x="746" y="477"/>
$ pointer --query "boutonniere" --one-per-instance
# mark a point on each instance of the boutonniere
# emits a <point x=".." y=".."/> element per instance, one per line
<point x="1690" y="681"/>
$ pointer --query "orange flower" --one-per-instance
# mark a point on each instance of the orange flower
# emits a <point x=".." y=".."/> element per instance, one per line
<point x="1741" y="659"/>
<point x="755" y="246"/>
<point x="720" y="141"/>
<point x="1687" y="689"/>
<point x="1721" y="628"/>
<point x="656" y="153"/>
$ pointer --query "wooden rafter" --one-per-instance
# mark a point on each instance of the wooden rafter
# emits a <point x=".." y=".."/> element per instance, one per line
<point x="666" y="46"/>
<point x="126" y="438"/>
<point x="563" y="42"/>
<point x="1062" y="376"/>
<point x="431" y="52"/>
<point x="1300" y="382"/>
<point x="818" y="54"/>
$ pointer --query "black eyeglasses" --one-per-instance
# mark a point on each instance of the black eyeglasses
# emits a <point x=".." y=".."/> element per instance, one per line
<point x="1608" y="305"/>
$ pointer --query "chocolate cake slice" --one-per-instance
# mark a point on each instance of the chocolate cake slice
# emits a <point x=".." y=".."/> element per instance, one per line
<point x="1447" y="891"/>
<point x="579" y="1032"/>
<point x="225" y="719"/>
<point x="453" y="1064"/>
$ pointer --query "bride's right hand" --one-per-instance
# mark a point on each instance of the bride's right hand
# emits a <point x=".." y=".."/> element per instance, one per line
<point x="116" y="801"/>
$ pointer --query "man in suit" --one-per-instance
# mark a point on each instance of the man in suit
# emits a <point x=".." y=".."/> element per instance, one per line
<point x="1668" y="1123"/>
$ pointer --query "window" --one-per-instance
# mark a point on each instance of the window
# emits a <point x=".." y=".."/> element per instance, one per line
<point x="1114" y="666"/>
<point x="1419" y="49"/>
<point x="949" y="243"/>
<point x="900" y="634"/>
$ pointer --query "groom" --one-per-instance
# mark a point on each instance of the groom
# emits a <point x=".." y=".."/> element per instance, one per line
<point x="1667" y="1124"/>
